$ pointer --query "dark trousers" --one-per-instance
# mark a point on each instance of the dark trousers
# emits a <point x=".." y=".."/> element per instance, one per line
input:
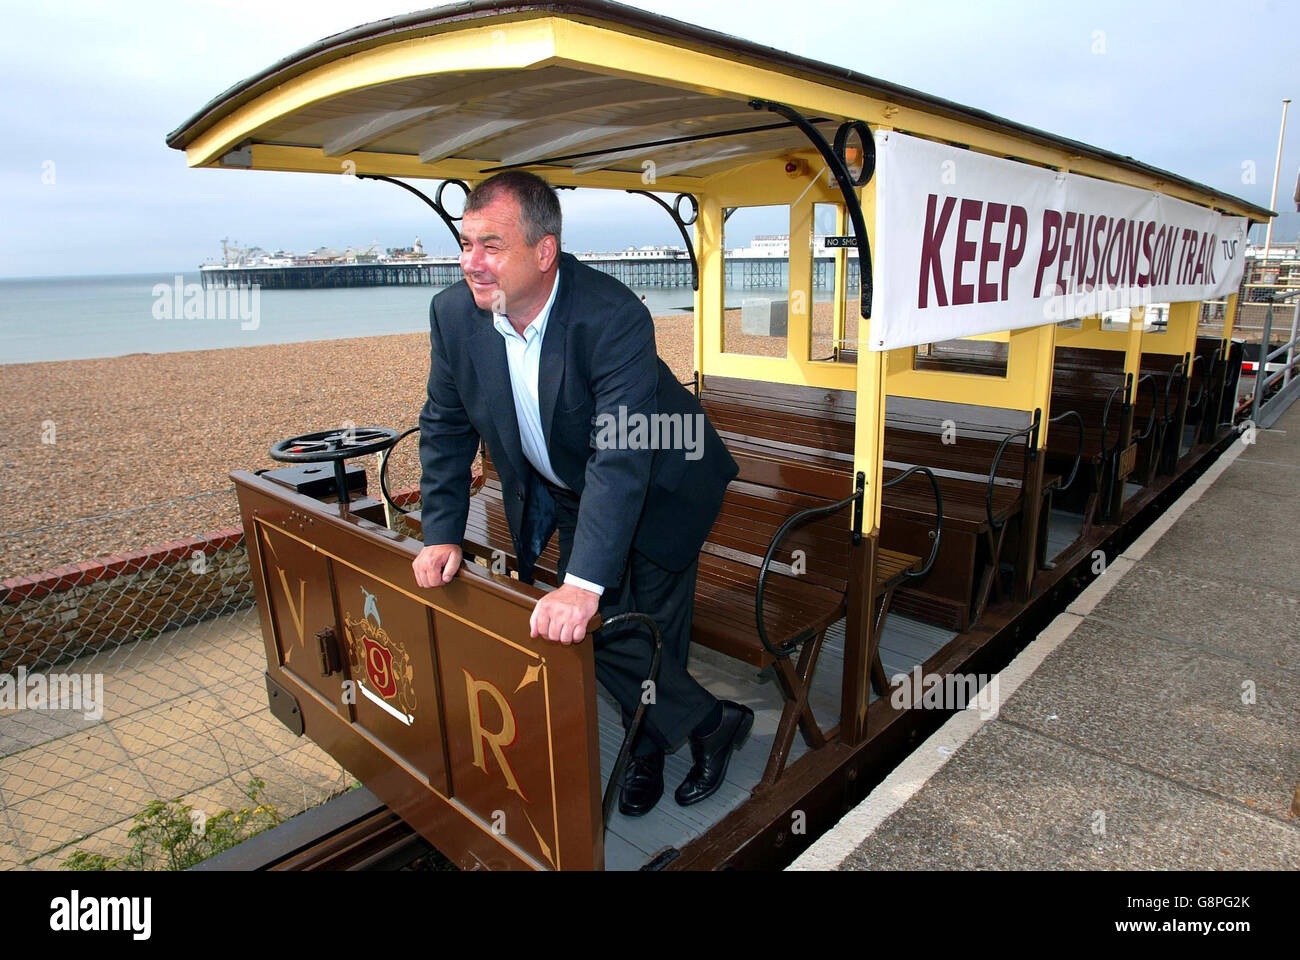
<point x="623" y="653"/>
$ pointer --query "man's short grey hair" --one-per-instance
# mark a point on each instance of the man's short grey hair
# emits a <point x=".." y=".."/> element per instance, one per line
<point x="539" y="207"/>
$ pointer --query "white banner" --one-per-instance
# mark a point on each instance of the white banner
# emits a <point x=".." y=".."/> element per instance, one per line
<point x="967" y="244"/>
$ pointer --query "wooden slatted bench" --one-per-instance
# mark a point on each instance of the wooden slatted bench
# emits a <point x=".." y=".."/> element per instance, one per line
<point x="1207" y="384"/>
<point x="817" y="426"/>
<point x="1170" y="396"/>
<point x="804" y="593"/>
<point x="1087" y="384"/>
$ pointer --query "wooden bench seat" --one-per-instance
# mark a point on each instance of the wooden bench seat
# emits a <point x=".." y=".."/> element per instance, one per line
<point x="814" y="426"/>
<point x="799" y="604"/>
<point x="1084" y="382"/>
<point x="1207" y="376"/>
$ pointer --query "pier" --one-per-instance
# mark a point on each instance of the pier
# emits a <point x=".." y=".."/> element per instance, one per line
<point x="668" y="271"/>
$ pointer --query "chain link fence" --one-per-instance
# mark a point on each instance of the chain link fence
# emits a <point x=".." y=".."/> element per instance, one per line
<point x="134" y="731"/>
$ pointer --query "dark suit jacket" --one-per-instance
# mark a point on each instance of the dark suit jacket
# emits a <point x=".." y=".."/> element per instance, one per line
<point x="598" y="355"/>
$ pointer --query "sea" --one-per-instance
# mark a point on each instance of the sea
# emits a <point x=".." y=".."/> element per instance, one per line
<point x="74" y="318"/>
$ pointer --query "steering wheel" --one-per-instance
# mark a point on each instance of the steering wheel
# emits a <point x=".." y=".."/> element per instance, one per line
<point x="334" y="446"/>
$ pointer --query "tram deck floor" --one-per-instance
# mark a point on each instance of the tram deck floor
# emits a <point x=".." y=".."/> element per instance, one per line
<point x="631" y="842"/>
<point x="1063" y="528"/>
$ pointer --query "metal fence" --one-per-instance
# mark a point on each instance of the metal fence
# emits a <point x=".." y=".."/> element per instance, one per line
<point x="1271" y="398"/>
<point x="133" y="723"/>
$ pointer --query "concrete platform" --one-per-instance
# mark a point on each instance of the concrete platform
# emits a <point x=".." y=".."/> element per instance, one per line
<point x="1154" y="725"/>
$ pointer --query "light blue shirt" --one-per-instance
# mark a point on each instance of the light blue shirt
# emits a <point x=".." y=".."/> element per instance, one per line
<point x="524" y="358"/>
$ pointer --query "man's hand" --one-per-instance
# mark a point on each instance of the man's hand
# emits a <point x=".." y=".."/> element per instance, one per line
<point x="562" y="615"/>
<point x="436" y="564"/>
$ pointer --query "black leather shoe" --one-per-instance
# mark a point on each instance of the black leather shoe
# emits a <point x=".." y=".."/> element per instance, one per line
<point x="712" y="753"/>
<point x="643" y="784"/>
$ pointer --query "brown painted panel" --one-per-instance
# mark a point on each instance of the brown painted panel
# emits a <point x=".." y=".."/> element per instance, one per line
<point x="503" y="750"/>
<point x="298" y="588"/>
<point x="386" y="646"/>
<point x="475" y="627"/>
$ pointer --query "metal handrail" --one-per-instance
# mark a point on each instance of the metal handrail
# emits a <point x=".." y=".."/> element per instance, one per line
<point x="1078" y="457"/>
<point x="1109" y="460"/>
<point x="1105" y="419"/>
<point x="938" y="515"/>
<point x="993" y="472"/>
<point x="786" y="649"/>
<point x="383" y="471"/>
<point x="1155" y="391"/>
<point x="1174" y="374"/>
<point x="1200" y="394"/>
<point x="634" y="729"/>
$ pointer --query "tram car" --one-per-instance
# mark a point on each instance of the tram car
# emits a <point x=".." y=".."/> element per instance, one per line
<point x="947" y="445"/>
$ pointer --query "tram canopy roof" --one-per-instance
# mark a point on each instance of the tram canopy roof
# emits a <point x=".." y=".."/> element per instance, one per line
<point x="585" y="92"/>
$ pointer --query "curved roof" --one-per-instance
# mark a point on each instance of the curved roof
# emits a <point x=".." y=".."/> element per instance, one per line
<point x="574" y="86"/>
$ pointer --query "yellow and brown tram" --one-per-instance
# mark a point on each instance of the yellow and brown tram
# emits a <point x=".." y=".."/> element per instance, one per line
<point x="970" y="417"/>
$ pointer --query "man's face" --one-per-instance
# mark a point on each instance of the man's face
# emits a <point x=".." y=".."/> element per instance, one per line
<point x="503" y="272"/>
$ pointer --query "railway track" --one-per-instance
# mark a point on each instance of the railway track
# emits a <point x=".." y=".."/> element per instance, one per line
<point x="355" y="831"/>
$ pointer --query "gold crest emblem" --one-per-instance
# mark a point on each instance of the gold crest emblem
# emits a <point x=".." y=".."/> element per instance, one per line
<point x="380" y="664"/>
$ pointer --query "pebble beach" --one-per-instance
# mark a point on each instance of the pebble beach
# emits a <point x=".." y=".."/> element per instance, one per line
<point x="110" y="455"/>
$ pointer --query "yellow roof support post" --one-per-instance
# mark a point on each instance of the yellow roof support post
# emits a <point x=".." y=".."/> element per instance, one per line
<point x="1229" y="321"/>
<point x="798" y="341"/>
<point x="1033" y="351"/>
<point x="1133" y="345"/>
<point x="1179" y="338"/>
<point x="710" y="298"/>
<point x="862" y="633"/>
<point x="838" y="324"/>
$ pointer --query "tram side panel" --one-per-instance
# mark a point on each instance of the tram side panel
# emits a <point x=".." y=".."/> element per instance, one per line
<point x="482" y="739"/>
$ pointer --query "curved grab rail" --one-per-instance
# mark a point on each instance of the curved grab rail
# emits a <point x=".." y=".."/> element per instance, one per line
<point x="993" y="471"/>
<point x="634" y="728"/>
<point x="811" y="513"/>
<point x="383" y="471"/>
<point x="938" y="515"/>
<point x="1105" y="419"/>
<point x="1200" y="394"/>
<point x="1178" y="371"/>
<point x="1108" y="459"/>
<point x="1078" y="457"/>
<point x="1155" y="399"/>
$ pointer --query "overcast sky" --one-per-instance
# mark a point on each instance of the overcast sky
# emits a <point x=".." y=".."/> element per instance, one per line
<point x="90" y="90"/>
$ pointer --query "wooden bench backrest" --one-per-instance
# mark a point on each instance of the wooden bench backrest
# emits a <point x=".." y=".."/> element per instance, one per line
<point x="959" y="438"/>
<point x="752" y="513"/>
<point x="750" y="516"/>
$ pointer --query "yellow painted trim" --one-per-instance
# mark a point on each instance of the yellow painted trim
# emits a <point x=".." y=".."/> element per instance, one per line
<point x="798" y="341"/>
<point x="1179" y="337"/>
<point x="869" y="430"/>
<point x="523" y="44"/>
<point x="840" y="322"/>
<point x="831" y="376"/>
<point x="313" y="160"/>
<point x="1027" y="385"/>
<point x="1229" y="320"/>
<point x="496" y="46"/>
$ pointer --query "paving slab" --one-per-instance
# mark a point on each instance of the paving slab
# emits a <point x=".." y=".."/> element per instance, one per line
<point x="1235" y="537"/>
<point x="1280" y="445"/>
<point x="1012" y="799"/>
<point x="1234" y="619"/>
<point x="1172" y="709"/>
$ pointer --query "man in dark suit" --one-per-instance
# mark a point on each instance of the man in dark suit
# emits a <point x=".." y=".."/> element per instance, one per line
<point x="553" y="365"/>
